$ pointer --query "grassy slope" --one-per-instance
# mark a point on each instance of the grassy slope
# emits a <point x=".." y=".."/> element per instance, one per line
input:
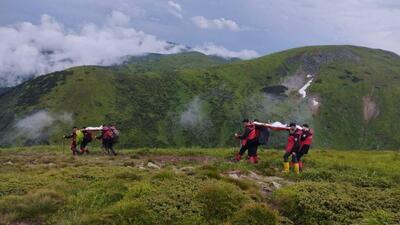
<point x="41" y="185"/>
<point x="378" y="75"/>
<point x="147" y="97"/>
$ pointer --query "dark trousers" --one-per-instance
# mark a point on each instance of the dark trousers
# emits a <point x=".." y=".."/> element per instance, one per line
<point x="108" y="146"/>
<point x="303" y="151"/>
<point x="291" y="153"/>
<point x="251" y="146"/>
<point x="83" y="145"/>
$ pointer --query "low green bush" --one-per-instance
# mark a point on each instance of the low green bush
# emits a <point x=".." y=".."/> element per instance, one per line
<point x="255" y="214"/>
<point x="209" y="174"/>
<point x="220" y="200"/>
<point x="129" y="176"/>
<point x="127" y="213"/>
<point x="165" y="201"/>
<point x="98" y="195"/>
<point x="327" y="203"/>
<point x="380" y="217"/>
<point x="163" y="175"/>
<point x="34" y="206"/>
<point x="242" y="184"/>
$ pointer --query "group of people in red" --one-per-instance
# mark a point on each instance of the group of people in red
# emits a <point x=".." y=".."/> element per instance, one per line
<point x="82" y="137"/>
<point x="255" y="134"/>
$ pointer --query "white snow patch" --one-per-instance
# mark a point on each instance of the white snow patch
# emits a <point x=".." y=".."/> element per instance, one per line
<point x="302" y="90"/>
<point x="315" y="102"/>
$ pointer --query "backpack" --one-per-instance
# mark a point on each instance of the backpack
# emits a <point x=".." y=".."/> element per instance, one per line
<point x="88" y="136"/>
<point x="115" y="134"/>
<point x="107" y="133"/>
<point x="263" y="135"/>
<point x="79" y="136"/>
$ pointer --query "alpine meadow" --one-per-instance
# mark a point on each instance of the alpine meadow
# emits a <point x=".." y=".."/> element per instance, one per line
<point x="176" y="161"/>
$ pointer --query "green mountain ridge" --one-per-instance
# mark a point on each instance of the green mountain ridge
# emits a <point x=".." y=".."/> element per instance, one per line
<point x="190" y="99"/>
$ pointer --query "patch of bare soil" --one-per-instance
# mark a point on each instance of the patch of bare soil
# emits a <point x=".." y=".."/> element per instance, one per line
<point x="370" y="109"/>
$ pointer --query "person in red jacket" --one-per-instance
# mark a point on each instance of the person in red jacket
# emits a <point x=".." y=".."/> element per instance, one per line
<point x="292" y="145"/>
<point x="249" y="141"/>
<point x="106" y="138"/>
<point x="292" y="148"/>
<point x="72" y="136"/>
<point x="87" y="138"/>
<point x="305" y="143"/>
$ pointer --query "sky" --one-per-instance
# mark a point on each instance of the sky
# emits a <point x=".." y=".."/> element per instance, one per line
<point x="42" y="36"/>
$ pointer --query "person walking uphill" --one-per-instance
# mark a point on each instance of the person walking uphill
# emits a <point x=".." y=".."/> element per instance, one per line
<point x="292" y="145"/>
<point x="292" y="148"/>
<point x="75" y="136"/>
<point x="87" y="138"/>
<point x="249" y="142"/>
<point x="107" y="140"/>
<point x="305" y="143"/>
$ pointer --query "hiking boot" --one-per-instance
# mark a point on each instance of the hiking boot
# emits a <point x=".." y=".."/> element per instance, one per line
<point x="253" y="159"/>
<point x="300" y="166"/>
<point x="285" y="167"/>
<point x="296" y="168"/>
<point x="237" y="158"/>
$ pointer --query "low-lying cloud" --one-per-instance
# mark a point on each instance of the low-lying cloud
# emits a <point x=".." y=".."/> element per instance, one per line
<point x="28" y="50"/>
<point x="193" y="113"/>
<point x="212" y="49"/>
<point x="40" y="124"/>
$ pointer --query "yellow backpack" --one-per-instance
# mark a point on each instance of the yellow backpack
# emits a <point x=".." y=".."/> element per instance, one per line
<point x="79" y="136"/>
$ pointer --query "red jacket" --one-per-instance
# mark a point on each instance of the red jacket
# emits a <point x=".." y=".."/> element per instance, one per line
<point x="306" y="137"/>
<point x="250" y="133"/>
<point x="106" y="133"/>
<point x="293" y="141"/>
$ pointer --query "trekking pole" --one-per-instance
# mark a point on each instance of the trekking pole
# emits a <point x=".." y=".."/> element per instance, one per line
<point x="62" y="145"/>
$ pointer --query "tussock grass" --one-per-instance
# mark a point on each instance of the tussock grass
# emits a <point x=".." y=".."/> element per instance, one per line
<point x="45" y="186"/>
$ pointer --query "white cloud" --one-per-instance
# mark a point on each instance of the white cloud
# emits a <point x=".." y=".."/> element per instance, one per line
<point x="175" y="5"/>
<point x="212" y="49"/>
<point x="27" y="49"/>
<point x="389" y="39"/>
<point x="221" y="23"/>
<point x="118" y="18"/>
<point x="37" y="125"/>
<point x="192" y="115"/>
<point x="370" y="23"/>
<point x="175" y="9"/>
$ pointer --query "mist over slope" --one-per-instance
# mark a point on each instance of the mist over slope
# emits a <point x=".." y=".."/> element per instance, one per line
<point x="348" y="94"/>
